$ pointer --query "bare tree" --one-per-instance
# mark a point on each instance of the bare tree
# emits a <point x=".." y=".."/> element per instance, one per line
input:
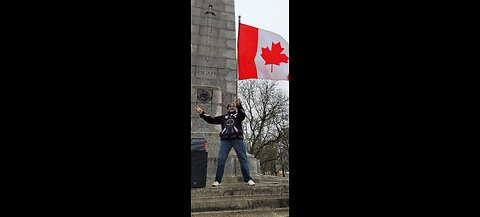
<point x="266" y="127"/>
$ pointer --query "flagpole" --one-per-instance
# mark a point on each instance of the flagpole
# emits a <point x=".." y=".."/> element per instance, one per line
<point x="238" y="37"/>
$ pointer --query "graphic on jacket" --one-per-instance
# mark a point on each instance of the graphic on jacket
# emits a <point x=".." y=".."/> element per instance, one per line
<point x="230" y="128"/>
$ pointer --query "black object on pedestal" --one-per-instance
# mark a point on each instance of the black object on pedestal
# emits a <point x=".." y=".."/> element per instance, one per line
<point x="198" y="160"/>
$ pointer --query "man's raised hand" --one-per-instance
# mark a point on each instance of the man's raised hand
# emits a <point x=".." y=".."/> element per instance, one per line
<point x="198" y="109"/>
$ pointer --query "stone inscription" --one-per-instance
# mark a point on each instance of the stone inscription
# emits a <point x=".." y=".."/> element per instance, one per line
<point x="208" y="72"/>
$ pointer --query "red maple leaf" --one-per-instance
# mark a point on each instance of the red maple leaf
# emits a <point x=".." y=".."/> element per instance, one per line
<point x="274" y="55"/>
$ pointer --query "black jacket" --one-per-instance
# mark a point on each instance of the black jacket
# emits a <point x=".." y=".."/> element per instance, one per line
<point x="231" y="123"/>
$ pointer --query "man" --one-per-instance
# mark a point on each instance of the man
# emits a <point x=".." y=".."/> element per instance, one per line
<point x="231" y="136"/>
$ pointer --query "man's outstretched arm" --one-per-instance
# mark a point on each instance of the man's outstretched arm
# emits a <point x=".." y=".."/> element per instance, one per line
<point x="206" y="117"/>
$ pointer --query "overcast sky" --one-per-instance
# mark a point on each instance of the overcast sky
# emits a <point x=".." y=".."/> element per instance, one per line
<point x="271" y="15"/>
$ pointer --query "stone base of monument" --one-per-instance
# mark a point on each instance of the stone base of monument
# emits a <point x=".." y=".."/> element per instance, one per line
<point x="234" y="198"/>
<point x="267" y="198"/>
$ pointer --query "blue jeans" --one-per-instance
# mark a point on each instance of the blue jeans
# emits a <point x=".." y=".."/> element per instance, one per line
<point x="241" y="150"/>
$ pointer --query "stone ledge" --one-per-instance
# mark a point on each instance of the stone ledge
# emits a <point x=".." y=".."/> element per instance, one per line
<point x="240" y="203"/>
<point x="277" y="212"/>
<point x="240" y="189"/>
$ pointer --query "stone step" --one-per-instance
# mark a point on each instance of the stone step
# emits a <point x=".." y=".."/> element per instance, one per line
<point x="240" y="189"/>
<point x="257" y="179"/>
<point x="272" y="212"/>
<point x="246" y="202"/>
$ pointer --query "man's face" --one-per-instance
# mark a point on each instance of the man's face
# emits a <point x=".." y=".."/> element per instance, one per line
<point x="231" y="108"/>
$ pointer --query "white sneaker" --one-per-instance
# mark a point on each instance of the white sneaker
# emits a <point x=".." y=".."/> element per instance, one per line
<point x="250" y="182"/>
<point x="216" y="184"/>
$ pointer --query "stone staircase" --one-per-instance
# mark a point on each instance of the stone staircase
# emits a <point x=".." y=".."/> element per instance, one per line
<point x="269" y="197"/>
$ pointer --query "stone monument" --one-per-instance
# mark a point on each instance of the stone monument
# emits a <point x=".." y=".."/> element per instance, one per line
<point x="214" y="79"/>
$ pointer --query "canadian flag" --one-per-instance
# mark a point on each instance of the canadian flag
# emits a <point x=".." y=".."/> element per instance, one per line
<point x="261" y="54"/>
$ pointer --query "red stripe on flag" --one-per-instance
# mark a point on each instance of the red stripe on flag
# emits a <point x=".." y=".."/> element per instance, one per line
<point x="247" y="49"/>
